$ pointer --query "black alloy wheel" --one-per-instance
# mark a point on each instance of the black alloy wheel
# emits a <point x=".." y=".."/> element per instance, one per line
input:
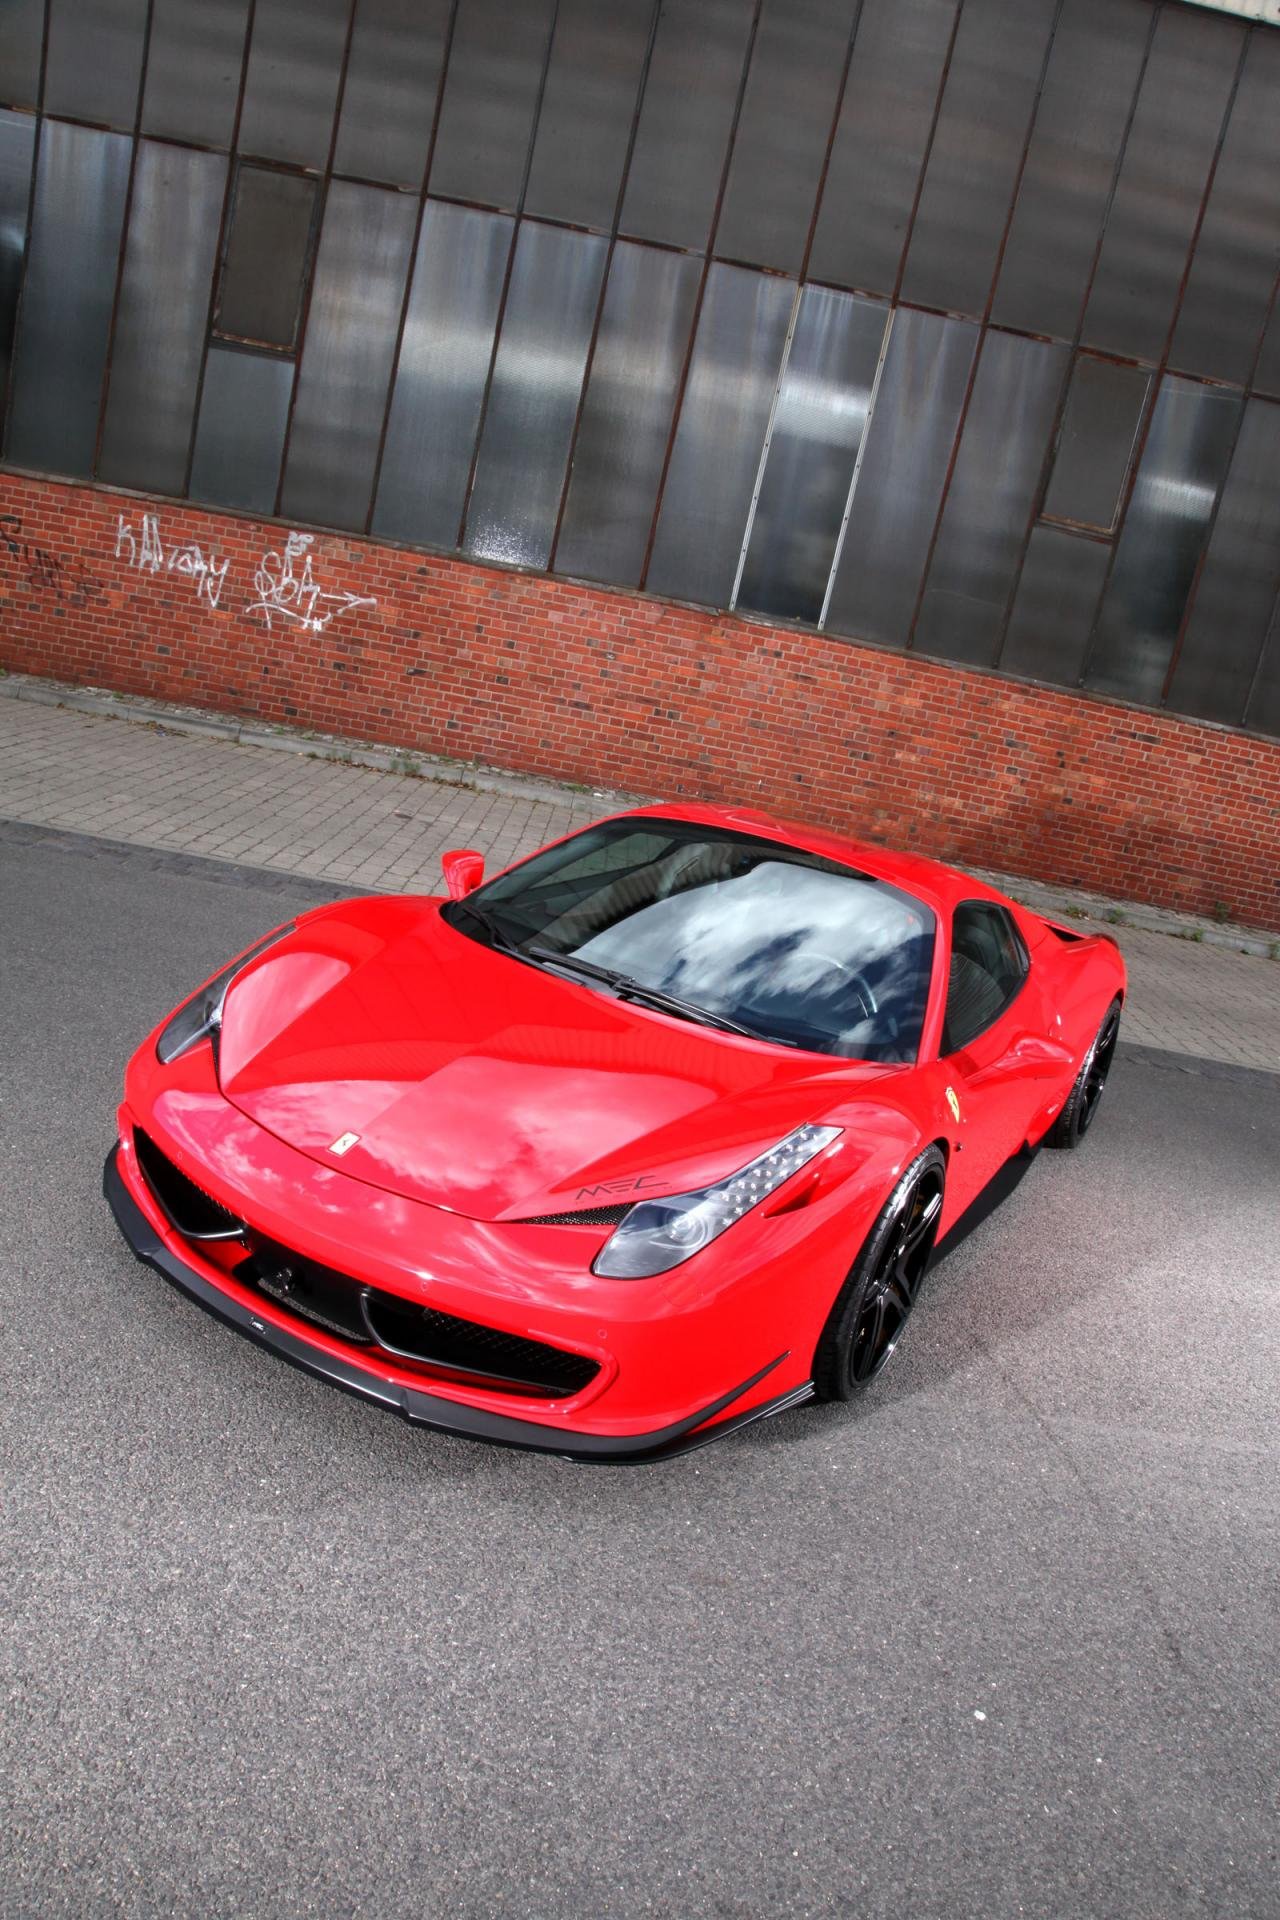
<point x="876" y="1301"/>
<point x="1082" y="1102"/>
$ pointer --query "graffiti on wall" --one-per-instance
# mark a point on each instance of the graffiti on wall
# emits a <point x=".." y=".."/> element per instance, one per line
<point x="289" y="591"/>
<point x="143" y="548"/>
<point x="41" y="567"/>
<point x="284" y="584"/>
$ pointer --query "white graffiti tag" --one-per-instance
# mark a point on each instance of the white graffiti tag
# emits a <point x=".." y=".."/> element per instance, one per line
<point x="144" y="550"/>
<point x="295" y="595"/>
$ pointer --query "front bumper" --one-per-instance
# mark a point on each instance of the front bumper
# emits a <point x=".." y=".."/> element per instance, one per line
<point x="446" y="1415"/>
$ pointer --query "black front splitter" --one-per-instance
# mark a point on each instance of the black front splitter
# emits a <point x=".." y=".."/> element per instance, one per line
<point x="427" y="1409"/>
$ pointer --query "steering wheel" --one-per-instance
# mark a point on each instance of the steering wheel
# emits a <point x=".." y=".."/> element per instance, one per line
<point x="858" y="981"/>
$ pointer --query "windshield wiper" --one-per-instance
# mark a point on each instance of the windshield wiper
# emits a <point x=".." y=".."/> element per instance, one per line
<point x="498" y="936"/>
<point x="628" y="989"/>
<point x="622" y="983"/>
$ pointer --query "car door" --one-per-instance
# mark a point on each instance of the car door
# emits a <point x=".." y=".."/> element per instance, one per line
<point x="993" y="1051"/>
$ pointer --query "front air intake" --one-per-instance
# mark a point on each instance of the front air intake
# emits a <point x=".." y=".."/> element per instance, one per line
<point x="195" y="1213"/>
<point x="465" y="1348"/>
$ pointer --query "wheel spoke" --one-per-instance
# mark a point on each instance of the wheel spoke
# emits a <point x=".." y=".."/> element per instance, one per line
<point x="921" y="1223"/>
<point x="900" y="1297"/>
<point x="867" y="1341"/>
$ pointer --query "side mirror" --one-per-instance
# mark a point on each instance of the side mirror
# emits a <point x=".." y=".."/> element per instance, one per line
<point x="463" y="870"/>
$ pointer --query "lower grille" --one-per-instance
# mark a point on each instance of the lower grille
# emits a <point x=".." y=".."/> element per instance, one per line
<point x="368" y="1317"/>
<point x="462" y="1346"/>
<point x="195" y="1214"/>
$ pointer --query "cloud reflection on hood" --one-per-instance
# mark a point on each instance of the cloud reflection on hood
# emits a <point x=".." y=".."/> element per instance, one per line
<point x="829" y="959"/>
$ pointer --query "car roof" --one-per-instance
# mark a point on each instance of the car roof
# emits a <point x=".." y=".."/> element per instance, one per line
<point x="940" y="886"/>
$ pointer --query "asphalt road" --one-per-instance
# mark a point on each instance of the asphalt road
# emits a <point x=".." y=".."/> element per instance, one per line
<point x="1001" y="1641"/>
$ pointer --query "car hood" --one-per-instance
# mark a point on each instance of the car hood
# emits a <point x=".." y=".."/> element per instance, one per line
<point x="481" y="1084"/>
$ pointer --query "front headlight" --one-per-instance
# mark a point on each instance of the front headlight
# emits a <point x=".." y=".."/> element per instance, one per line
<point x="658" y="1234"/>
<point x="202" y="1014"/>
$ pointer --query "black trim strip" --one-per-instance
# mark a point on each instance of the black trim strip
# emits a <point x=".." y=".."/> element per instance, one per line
<point x="424" y="1409"/>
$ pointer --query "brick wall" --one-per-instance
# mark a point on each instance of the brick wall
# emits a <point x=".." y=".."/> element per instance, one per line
<point x="612" y="689"/>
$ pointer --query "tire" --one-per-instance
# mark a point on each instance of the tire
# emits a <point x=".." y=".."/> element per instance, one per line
<point x="1071" y="1125"/>
<point x="876" y="1301"/>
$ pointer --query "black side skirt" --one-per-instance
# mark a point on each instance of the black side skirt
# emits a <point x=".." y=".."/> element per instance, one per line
<point x="426" y="1409"/>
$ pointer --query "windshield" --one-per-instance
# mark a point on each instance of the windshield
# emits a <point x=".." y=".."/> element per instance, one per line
<point x="790" y="946"/>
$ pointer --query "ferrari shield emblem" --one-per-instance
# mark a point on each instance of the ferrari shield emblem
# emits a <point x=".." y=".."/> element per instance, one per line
<point x="952" y="1102"/>
<point x="344" y="1143"/>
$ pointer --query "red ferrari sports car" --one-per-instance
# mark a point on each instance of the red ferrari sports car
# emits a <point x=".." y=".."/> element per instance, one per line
<point x="650" y="1136"/>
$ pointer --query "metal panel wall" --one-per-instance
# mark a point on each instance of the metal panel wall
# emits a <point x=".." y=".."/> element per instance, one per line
<point x="627" y="411"/>
<point x="64" y="324"/>
<point x="823" y="403"/>
<point x="1055" y="606"/>
<point x="389" y="99"/>
<point x="496" y="64"/>
<point x="161" y="316"/>
<point x="1234" y="599"/>
<point x="94" y="61"/>
<point x="886" y="121"/>
<point x="292" y="79"/>
<point x="727" y="402"/>
<point x="239" y="441"/>
<point x="21" y="38"/>
<point x="796" y="68"/>
<point x="445" y="356"/>
<point x="1182" y="467"/>
<point x="1100" y="422"/>
<point x="346" y="361"/>
<point x="909" y="441"/>
<point x="759" y="303"/>
<point x="1238" y="249"/>
<point x="989" y="500"/>
<point x="686" y="120"/>
<point x="1071" y="163"/>
<point x="17" y="152"/>
<point x="1263" y="710"/>
<point x="584" y="125"/>
<point x="194" y="57"/>
<point x="977" y="152"/>
<point x="533" y="394"/>
<point x="1163" y="177"/>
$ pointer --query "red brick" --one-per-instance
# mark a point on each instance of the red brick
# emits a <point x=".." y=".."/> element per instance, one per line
<point x="588" y="684"/>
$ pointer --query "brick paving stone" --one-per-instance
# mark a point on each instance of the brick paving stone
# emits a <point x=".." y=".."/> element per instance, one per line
<point x="370" y="830"/>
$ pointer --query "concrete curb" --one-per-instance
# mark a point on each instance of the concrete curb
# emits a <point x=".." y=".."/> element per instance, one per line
<point x="1060" y="902"/>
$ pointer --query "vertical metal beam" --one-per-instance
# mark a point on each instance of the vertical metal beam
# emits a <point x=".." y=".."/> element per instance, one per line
<point x="700" y="296"/>
<point x="6" y="398"/>
<point x="854" y="477"/>
<point x="220" y="253"/>
<point x="105" y="385"/>
<point x="1270" y="639"/>
<point x="1144" y="430"/>
<point x="506" y="278"/>
<point x="1055" y="433"/>
<point x="764" y="449"/>
<point x="604" y="281"/>
<point x="927" y="155"/>
<point x="1194" y="588"/>
<point x="445" y="52"/>
<point x="801" y="281"/>
<point x="984" y="323"/>
<point x="322" y="200"/>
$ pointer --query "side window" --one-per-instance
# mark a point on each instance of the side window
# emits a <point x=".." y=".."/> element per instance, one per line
<point x="988" y="965"/>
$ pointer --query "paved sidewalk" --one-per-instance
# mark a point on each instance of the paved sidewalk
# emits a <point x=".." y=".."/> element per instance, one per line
<point x="366" y="829"/>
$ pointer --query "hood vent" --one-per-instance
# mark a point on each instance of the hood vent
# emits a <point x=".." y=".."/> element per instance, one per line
<point x="587" y="1217"/>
